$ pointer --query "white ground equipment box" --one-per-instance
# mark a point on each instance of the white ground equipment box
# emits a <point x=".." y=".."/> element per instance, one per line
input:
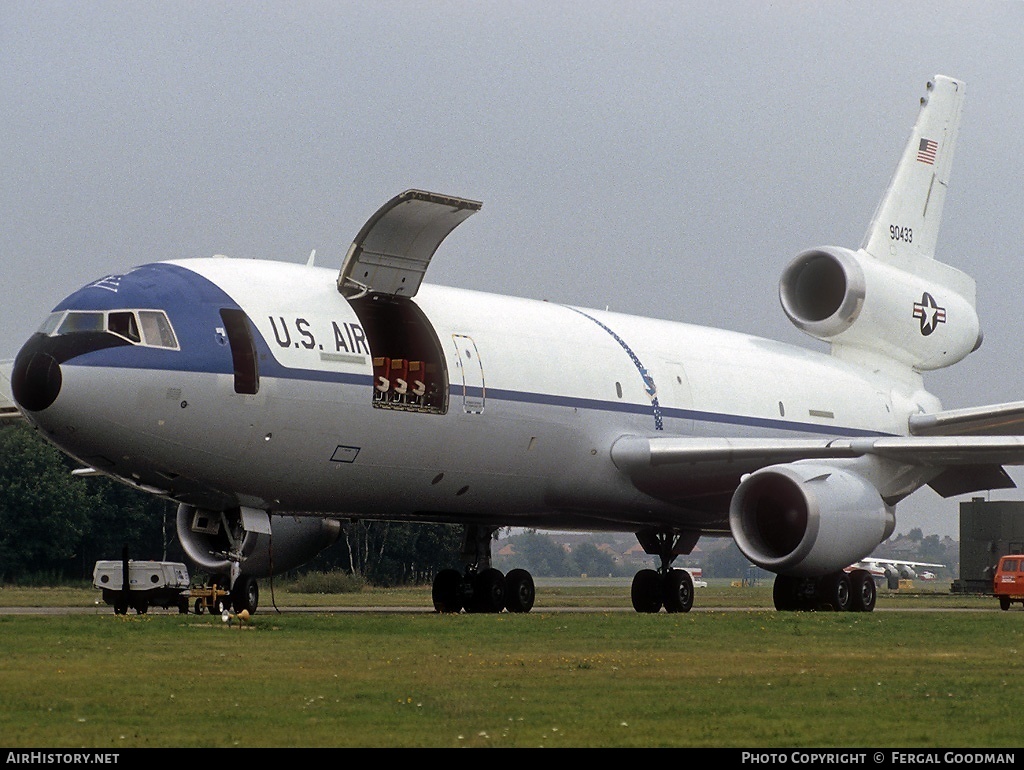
<point x="150" y="584"/>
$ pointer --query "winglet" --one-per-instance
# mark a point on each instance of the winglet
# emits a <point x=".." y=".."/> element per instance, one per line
<point x="906" y="223"/>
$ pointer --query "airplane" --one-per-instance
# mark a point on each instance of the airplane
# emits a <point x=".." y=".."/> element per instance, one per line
<point x="274" y="400"/>
<point x="891" y="570"/>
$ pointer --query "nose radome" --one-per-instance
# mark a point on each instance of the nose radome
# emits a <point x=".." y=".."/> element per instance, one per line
<point x="35" y="379"/>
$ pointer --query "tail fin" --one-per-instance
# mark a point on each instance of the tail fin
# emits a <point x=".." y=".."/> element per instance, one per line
<point x="906" y="223"/>
<point x="891" y="305"/>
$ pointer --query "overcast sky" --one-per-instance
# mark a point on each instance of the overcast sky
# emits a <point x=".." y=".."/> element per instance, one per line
<point x="659" y="158"/>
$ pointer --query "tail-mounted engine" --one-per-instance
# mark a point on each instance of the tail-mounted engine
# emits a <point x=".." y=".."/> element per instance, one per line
<point x="922" y="316"/>
<point x="808" y="519"/>
<point x="215" y="540"/>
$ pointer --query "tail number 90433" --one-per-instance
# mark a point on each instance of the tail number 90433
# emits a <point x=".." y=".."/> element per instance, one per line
<point x="905" y="234"/>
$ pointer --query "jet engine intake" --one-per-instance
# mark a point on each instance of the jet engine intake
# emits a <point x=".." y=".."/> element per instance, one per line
<point x="922" y="316"/>
<point x="215" y="539"/>
<point x="807" y="519"/>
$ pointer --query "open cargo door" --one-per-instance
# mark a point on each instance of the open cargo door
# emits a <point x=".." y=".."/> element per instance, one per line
<point x="394" y="247"/>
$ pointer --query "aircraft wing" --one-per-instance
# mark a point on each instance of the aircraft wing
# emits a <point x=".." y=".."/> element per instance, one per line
<point x="631" y="452"/>
<point x="8" y="410"/>
<point x="964" y="463"/>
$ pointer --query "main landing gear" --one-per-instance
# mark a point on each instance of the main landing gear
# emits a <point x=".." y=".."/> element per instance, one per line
<point x="852" y="591"/>
<point x="481" y="587"/>
<point x="664" y="587"/>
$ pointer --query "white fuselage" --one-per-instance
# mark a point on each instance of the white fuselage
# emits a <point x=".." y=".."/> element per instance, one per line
<point x="537" y="393"/>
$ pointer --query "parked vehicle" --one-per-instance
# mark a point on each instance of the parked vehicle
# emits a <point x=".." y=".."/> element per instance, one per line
<point x="1008" y="583"/>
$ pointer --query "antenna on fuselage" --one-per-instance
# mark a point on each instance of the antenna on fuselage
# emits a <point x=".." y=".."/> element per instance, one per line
<point x="312" y="256"/>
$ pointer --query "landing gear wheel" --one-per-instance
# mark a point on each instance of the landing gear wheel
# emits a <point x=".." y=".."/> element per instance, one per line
<point x="488" y="591"/>
<point x="245" y="595"/>
<point x="835" y="591"/>
<point x="519" y="591"/>
<point x="646" y="591"/>
<point x="863" y="591"/>
<point x="784" y="593"/>
<point x="678" y="591"/>
<point x="445" y="592"/>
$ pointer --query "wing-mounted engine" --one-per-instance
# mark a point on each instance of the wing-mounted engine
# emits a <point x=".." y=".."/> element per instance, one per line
<point x="215" y="540"/>
<point x="808" y="519"/>
<point x="922" y="318"/>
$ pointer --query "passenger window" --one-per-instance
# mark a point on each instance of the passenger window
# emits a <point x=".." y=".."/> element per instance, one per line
<point x="124" y="325"/>
<point x="1010" y="565"/>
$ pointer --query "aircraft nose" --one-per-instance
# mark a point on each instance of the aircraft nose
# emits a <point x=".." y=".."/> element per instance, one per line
<point x="36" y="377"/>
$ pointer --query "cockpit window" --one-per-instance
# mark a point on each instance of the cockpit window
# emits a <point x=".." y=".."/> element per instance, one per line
<point x="125" y="325"/>
<point x="147" y="328"/>
<point x="77" y="321"/>
<point x="157" y="329"/>
<point x="51" y="323"/>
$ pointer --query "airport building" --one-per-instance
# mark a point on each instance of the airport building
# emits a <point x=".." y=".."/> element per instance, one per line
<point x="988" y="530"/>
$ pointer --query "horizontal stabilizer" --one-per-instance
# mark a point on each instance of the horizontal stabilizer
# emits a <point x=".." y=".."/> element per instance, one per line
<point x="994" y="420"/>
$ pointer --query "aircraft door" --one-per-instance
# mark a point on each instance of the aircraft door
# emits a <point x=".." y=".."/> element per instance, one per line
<point x="472" y="369"/>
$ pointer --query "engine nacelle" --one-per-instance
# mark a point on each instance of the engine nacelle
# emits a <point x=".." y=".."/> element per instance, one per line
<point x="209" y="536"/>
<point x="922" y="316"/>
<point x="808" y="519"/>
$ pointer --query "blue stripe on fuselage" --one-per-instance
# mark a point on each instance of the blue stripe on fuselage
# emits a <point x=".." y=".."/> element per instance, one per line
<point x="193" y="305"/>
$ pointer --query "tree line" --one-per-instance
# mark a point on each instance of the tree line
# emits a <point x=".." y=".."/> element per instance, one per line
<point x="54" y="526"/>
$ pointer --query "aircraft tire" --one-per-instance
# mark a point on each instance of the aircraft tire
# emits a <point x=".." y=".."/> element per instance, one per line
<point x="678" y="591"/>
<point x="784" y="593"/>
<point x="646" y="591"/>
<point x="519" y="591"/>
<point x="445" y="591"/>
<point x="245" y="595"/>
<point x="488" y="591"/>
<point x="863" y="591"/>
<point x="834" y="591"/>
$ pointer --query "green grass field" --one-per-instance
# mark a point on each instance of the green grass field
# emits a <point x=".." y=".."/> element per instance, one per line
<point x="918" y="672"/>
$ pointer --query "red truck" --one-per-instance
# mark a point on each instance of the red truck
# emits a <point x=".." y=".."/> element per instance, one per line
<point x="1008" y="583"/>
